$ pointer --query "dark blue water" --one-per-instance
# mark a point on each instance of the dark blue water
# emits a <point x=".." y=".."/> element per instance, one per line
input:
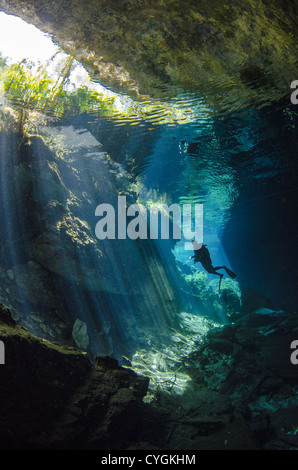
<point x="142" y="295"/>
<point x="243" y="168"/>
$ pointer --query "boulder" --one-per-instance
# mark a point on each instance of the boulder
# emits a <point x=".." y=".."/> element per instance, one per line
<point x="80" y="334"/>
<point x="52" y="397"/>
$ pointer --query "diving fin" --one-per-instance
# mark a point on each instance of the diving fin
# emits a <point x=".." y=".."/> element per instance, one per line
<point x="230" y="273"/>
<point x="221" y="276"/>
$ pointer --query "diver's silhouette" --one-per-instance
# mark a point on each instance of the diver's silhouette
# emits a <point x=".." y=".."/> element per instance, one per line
<point x="202" y="256"/>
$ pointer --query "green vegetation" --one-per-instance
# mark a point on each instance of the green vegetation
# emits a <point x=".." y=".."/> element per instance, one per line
<point x="27" y="92"/>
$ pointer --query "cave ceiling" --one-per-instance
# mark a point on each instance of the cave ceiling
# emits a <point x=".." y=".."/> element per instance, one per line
<point x="231" y="51"/>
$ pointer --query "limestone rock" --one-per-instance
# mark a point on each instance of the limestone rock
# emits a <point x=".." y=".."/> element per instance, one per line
<point x="35" y="283"/>
<point x="52" y="397"/>
<point x="80" y="334"/>
<point x="251" y="367"/>
<point x="232" y="51"/>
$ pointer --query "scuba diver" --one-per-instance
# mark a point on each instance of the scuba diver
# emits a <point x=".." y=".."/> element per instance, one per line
<point x="202" y="255"/>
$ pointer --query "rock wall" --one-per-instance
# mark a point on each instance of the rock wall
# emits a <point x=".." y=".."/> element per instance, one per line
<point x="244" y="49"/>
<point x="54" y="271"/>
<point x="242" y="394"/>
<point x="53" y="397"/>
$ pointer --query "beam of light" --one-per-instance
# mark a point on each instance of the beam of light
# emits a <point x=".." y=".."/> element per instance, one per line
<point x="125" y="297"/>
<point x="131" y="298"/>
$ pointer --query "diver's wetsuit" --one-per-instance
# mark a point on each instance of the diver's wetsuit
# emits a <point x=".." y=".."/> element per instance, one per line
<point x="202" y="256"/>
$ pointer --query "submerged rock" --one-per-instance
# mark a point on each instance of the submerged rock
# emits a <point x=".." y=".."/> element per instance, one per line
<point x="35" y="284"/>
<point x="52" y="397"/>
<point x="58" y="254"/>
<point x="60" y="267"/>
<point x="240" y="395"/>
<point x="250" y="366"/>
<point x="80" y="334"/>
<point x="222" y="304"/>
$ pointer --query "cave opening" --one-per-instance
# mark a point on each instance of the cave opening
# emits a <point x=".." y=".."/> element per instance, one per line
<point x="74" y="146"/>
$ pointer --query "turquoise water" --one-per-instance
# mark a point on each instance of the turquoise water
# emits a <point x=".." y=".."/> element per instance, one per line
<point x="127" y="298"/>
